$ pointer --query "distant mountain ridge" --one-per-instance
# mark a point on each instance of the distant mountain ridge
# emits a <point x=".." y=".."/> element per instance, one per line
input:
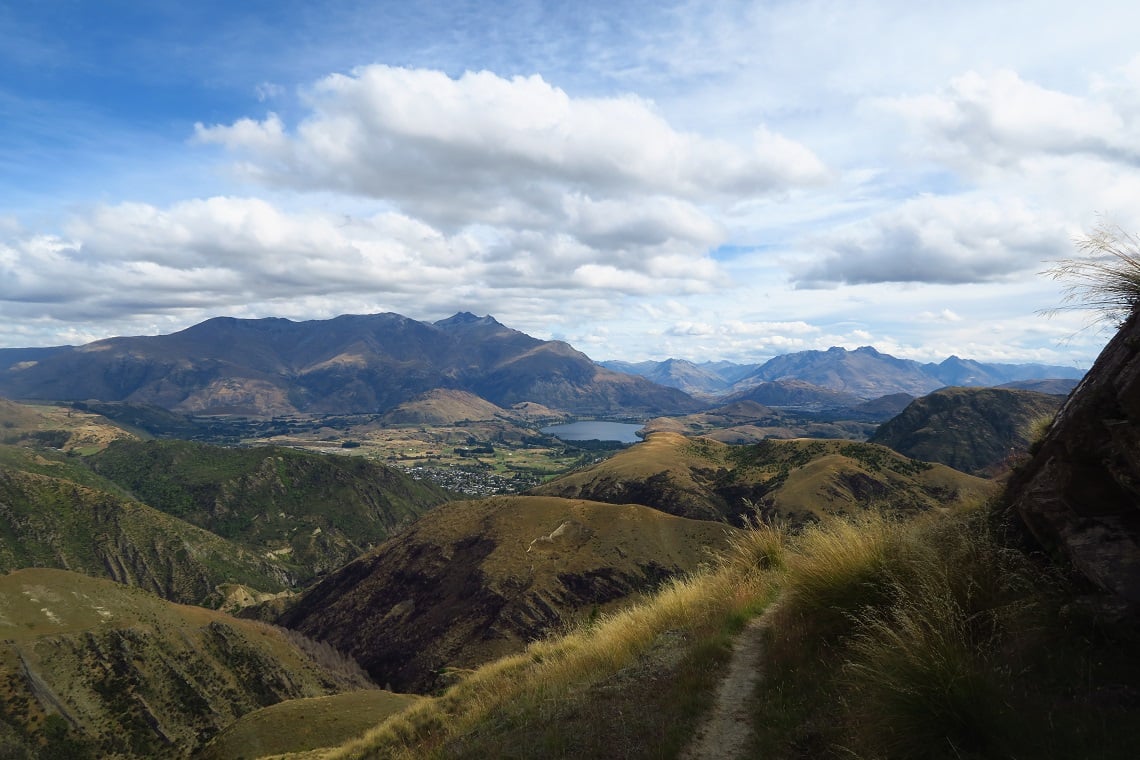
<point x="348" y="364"/>
<point x="864" y="373"/>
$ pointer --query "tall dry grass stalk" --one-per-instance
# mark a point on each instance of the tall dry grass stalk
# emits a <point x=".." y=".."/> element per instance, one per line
<point x="1106" y="278"/>
<point x="839" y="566"/>
<point x="926" y="671"/>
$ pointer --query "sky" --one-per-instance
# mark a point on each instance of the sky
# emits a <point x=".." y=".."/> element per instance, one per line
<point x="642" y="179"/>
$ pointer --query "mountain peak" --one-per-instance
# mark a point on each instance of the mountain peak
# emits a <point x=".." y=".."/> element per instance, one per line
<point x="467" y="318"/>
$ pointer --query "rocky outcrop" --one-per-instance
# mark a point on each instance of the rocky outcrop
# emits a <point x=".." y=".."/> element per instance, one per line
<point x="1080" y="493"/>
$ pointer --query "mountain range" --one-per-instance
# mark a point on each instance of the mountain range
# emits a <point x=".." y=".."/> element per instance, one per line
<point x="350" y="364"/>
<point x="864" y="373"/>
<point x="357" y="364"/>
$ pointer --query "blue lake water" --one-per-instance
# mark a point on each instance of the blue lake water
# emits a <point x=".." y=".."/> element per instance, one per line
<point x="595" y="430"/>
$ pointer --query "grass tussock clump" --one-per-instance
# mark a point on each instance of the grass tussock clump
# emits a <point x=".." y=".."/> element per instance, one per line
<point x="932" y="639"/>
<point x="1105" y="278"/>
<point x="926" y="674"/>
<point x="840" y="566"/>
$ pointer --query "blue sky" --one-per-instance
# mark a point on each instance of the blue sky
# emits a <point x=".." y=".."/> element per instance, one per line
<point x="642" y="179"/>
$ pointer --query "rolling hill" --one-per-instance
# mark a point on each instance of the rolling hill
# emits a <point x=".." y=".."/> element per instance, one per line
<point x="310" y="512"/>
<point x="474" y="580"/>
<point x="792" y="480"/>
<point x="57" y="427"/>
<point x="300" y="725"/>
<point x="444" y="407"/>
<point x="973" y="430"/>
<point x="743" y="422"/>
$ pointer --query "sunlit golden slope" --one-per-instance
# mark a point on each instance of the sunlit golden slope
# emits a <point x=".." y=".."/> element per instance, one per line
<point x="795" y="479"/>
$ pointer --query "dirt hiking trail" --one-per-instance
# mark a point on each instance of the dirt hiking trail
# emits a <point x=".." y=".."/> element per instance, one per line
<point x="726" y="730"/>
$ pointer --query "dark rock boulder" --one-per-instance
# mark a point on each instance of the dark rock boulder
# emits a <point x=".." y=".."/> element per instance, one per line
<point x="1079" y="495"/>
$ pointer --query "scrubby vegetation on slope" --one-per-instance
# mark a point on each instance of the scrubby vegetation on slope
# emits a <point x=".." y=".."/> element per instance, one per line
<point x="975" y="430"/>
<point x="313" y="512"/>
<point x="928" y="637"/>
<point x="56" y="513"/>
<point x="91" y="668"/>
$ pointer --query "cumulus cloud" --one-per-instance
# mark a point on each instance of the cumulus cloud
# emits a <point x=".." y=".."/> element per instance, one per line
<point x="933" y="239"/>
<point x="487" y="149"/>
<point x="1001" y="119"/>
<point x="232" y="255"/>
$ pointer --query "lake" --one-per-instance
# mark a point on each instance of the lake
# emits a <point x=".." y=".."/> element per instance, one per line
<point x="595" y="430"/>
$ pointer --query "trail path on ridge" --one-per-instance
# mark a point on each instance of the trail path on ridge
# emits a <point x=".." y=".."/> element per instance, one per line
<point x="726" y="730"/>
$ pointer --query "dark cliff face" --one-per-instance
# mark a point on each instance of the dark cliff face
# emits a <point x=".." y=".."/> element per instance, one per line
<point x="1080" y="493"/>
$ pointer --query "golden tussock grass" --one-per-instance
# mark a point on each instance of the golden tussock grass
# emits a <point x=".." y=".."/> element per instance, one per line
<point x="733" y="587"/>
<point x="925" y="637"/>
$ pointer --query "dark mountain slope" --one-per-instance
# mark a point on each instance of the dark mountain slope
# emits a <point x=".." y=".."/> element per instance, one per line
<point x="1079" y="494"/>
<point x="970" y="373"/>
<point x="864" y="372"/>
<point x="869" y="374"/>
<point x="795" y="393"/>
<point x="970" y="429"/>
<point x="350" y="364"/>
<point x="474" y="580"/>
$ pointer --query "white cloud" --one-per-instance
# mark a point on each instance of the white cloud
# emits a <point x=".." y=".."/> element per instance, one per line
<point x="462" y="151"/>
<point x="245" y="255"/>
<point x="937" y="239"/>
<point x="268" y="91"/>
<point x="1001" y="119"/>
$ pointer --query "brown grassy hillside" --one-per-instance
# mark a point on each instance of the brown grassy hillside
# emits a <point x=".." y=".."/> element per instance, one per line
<point x="475" y="580"/>
<point x="97" y="669"/>
<point x="444" y="407"/>
<point x="749" y="422"/>
<point x="56" y="427"/>
<point x="794" y="480"/>
<point x="299" y="725"/>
